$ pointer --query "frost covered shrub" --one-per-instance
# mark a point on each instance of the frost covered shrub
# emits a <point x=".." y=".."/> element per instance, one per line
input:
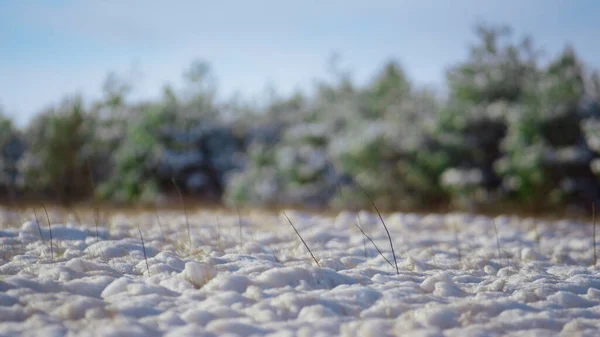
<point x="304" y="165"/>
<point x="286" y="161"/>
<point x="543" y="157"/>
<point x="485" y="90"/>
<point x="109" y="131"/>
<point x="12" y="147"/>
<point x="547" y="159"/>
<point x="134" y="176"/>
<point x="55" y="160"/>
<point x="200" y="158"/>
<point x="469" y="136"/>
<point x="347" y="137"/>
<point x="259" y="182"/>
<point x="497" y="69"/>
<point x="591" y="128"/>
<point x="368" y="153"/>
<point x="295" y="171"/>
<point x="543" y="174"/>
<point x="383" y="146"/>
<point x="521" y="166"/>
<point x="160" y="143"/>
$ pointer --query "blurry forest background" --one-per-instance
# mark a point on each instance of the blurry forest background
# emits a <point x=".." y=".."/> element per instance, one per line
<point x="511" y="132"/>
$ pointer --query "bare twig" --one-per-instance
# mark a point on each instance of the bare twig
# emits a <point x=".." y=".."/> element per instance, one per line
<point x="144" y="248"/>
<point x="383" y="223"/>
<point x="373" y="242"/>
<point x="187" y="223"/>
<point x="300" y="236"/>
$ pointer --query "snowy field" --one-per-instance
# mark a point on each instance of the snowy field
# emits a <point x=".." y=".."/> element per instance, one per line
<point x="455" y="276"/>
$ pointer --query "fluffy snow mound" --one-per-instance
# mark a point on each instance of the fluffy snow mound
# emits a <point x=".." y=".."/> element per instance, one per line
<point x="252" y="276"/>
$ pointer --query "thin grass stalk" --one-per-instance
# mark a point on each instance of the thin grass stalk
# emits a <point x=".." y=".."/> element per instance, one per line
<point x="457" y="242"/>
<point x="304" y="242"/>
<point x="96" y="215"/>
<point x="93" y="187"/>
<point x="497" y="239"/>
<point x="37" y="222"/>
<point x="144" y="249"/>
<point x="187" y="223"/>
<point x="239" y="218"/>
<point x="162" y="233"/>
<point x="50" y="230"/>
<point x="372" y="242"/>
<point x="384" y="226"/>
<point x="218" y="227"/>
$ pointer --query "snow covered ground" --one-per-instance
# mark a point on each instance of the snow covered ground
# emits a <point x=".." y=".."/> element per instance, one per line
<point x="452" y="279"/>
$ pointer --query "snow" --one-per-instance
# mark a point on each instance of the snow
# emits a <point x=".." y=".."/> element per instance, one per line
<point x="452" y="281"/>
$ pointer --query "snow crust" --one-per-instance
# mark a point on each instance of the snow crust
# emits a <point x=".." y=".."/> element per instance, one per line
<point x="260" y="280"/>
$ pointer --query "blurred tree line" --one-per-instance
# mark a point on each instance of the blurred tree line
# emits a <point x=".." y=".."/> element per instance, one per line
<point x="513" y="131"/>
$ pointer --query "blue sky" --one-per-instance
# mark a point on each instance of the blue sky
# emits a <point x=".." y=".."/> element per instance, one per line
<point x="49" y="49"/>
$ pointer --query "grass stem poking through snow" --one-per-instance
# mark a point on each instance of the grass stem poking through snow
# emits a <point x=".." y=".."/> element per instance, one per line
<point x="218" y="229"/>
<point x="497" y="240"/>
<point x="76" y="216"/>
<point x="384" y="226"/>
<point x="187" y="223"/>
<point x="162" y="233"/>
<point x="594" y="231"/>
<point x="373" y="242"/>
<point x="237" y="210"/>
<point x="93" y="187"/>
<point x="96" y="215"/>
<point x="300" y="236"/>
<point x="37" y="222"/>
<point x="144" y="249"/>
<point x="50" y="231"/>
<point x="457" y="242"/>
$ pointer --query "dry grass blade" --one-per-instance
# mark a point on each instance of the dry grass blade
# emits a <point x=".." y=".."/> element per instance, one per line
<point x="37" y="222"/>
<point x="300" y="236"/>
<point x="96" y="215"/>
<point x="497" y="239"/>
<point x="144" y="248"/>
<point x="239" y="225"/>
<point x="49" y="230"/>
<point x="373" y="242"/>
<point x="384" y="225"/>
<point x="218" y="227"/>
<point x="457" y="242"/>
<point x="187" y="223"/>
<point x="93" y="187"/>
<point x="162" y="233"/>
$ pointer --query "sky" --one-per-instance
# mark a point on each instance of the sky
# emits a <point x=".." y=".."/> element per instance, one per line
<point x="50" y="49"/>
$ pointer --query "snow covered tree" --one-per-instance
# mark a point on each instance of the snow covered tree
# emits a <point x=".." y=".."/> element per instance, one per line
<point x="55" y="162"/>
